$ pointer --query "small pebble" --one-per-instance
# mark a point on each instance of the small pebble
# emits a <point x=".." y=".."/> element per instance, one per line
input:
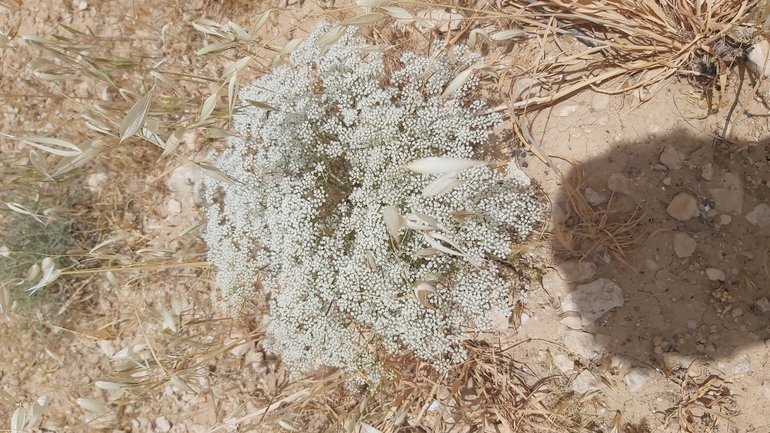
<point x="683" y="207"/>
<point x="763" y="304"/>
<point x="707" y="172"/>
<point x="715" y="274"/>
<point x="741" y="368"/>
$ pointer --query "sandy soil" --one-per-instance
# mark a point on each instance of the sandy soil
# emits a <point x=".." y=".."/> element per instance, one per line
<point x="680" y="340"/>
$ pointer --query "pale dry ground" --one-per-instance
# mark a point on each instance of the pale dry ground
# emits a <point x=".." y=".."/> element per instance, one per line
<point x="127" y="195"/>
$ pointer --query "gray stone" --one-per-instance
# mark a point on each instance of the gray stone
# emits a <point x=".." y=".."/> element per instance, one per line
<point x="715" y="274"/>
<point x="572" y="322"/>
<point x="173" y="207"/>
<point x="558" y="215"/>
<point x="618" y="182"/>
<point x="707" y="171"/>
<point x="683" y="207"/>
<point x="594" y="197"/>
<point x="182" y="183"/>
<point x="582" y="343"/>
<point x="564" y="363"/>
<point x="758" y="60"/>
<point x="672" y="158"/>
<point x="740" y="368"/>
<point x="760" y="216"/>
<point x="162" y="424"/>
<point x="600" y="102"/>
<point x="676" y="360"/>
<point x="636" y="378"/>
<point x="576" y="271"/>
<point x="586" y="382"/>
<point x="763" y="304"/>
<point x="684" y="244"/>
<point x="593" y="300"/>
<point x="555" y="285"/>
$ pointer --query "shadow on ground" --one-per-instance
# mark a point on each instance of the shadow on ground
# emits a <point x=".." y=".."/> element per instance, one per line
<point x="699" y="288"/>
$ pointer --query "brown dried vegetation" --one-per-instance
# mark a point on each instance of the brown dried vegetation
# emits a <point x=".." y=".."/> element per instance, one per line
<point x="86" y="85"/>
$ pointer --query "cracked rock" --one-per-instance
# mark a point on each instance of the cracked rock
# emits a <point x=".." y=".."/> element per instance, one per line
<point x="586" y="382"/>
<point x="636" y="378"/>
<point x="672" y="158"/>
<point x="583" y="343"/>
<point x="592" y="301"/>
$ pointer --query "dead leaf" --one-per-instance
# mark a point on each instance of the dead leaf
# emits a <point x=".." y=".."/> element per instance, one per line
<point x="393" y="221"/>
<point x="136" y="116"/>
<point x="457" y="82"/>
<point x="438" y="165"/>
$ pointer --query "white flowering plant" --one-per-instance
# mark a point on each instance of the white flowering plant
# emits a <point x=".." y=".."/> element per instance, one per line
<point x="362" y="203"/>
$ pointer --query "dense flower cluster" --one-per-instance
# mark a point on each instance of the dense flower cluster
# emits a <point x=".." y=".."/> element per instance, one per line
<point x="312" y="178"/>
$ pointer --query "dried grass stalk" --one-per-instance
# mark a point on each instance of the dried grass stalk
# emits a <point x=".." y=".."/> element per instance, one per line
<point x="607" y="232"/>
<point x="625" y="38"/>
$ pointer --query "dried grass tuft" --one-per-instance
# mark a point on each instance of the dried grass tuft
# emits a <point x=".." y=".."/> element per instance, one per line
<point x="630" y="45"/>
<point x="606" y="233"/>
<point x="490" y="391"/>
<point x="703" y="404"/>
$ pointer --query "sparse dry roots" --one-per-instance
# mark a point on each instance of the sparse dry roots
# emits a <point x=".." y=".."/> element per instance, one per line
<point x="633" y="45"/>
<point x="703" y="405"/>
<point x="490" y="390"/>
<point x="607" y="233"/>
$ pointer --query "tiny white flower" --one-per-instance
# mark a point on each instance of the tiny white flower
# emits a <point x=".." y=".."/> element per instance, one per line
<point x="323" y="216"/>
